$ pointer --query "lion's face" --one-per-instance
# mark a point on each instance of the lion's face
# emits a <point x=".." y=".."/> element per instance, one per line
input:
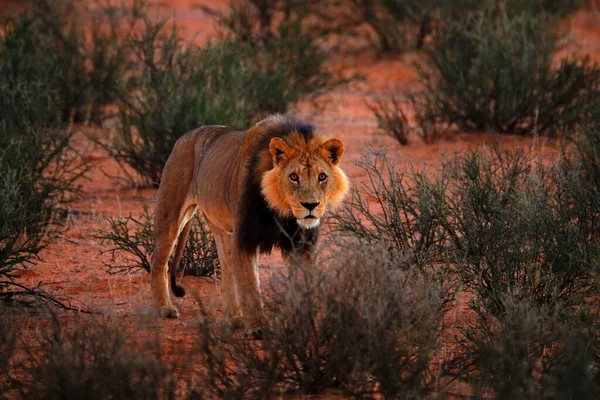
<point x="305" y="179"/>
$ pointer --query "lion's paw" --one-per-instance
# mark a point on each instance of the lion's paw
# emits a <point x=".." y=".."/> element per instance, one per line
<point x="169" y="311"/>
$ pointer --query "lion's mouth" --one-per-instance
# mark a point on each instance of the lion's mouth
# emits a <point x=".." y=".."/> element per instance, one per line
<point x="308" y="222"/>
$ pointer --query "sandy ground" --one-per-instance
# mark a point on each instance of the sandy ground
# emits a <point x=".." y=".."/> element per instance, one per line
<point x="74" y="264"/>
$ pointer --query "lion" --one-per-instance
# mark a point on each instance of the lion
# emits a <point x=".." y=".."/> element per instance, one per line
<point x="258" y="189"/>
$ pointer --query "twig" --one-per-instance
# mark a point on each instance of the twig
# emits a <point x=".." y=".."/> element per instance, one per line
<point x="41" y="294"/>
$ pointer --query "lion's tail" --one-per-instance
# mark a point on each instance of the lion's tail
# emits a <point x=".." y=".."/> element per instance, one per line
<point x="178" y="290"/>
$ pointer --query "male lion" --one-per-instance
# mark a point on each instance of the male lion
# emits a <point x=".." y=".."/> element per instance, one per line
<point x="263" y="188"/>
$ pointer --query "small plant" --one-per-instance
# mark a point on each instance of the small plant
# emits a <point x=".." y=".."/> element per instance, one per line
<point x="199" y="257"/>
<point x="392" y="120"/>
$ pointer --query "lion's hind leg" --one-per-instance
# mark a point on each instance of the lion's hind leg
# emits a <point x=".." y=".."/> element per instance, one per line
<point x="175" y="206"/>
<point x="169" y="224"/>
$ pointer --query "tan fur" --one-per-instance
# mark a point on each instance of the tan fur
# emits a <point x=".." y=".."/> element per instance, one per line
<point x="208" y="171"/>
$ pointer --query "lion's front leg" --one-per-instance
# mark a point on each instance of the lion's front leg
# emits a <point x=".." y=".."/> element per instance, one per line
<point x="245" y="269"/>
<point x="227" y="288"/>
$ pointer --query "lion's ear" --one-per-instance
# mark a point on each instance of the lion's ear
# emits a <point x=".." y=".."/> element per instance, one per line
<point x="332" y="150"/>
<point x="279" y="150"/>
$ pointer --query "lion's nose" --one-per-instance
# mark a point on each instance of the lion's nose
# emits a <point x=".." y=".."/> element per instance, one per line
<point x="309" y="206"/>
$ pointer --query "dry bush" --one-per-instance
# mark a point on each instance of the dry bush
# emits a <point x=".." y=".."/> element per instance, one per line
<point x="364" y="325"/>
<point x="392" y="119"/>
<point x="72" y="358"/>
<point x="531" y="352"/>
<point x="199" y="258"/>
<point x="414" y="218"/>
<point x="514" y="234"/>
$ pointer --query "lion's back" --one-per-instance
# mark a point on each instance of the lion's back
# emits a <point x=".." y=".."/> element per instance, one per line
<point x="216" y="164"/>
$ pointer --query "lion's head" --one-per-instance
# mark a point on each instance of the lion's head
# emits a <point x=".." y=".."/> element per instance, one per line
<point x="305" y="179"/>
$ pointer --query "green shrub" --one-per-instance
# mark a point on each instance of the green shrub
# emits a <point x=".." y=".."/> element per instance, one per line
<point x="513" y="234"/>
<point x="180" y="87"/>
<point x="49" y="44"/>
<point x="199" y="256"/>
<point x="391" y="25"/>
<point x="578" y="179"/>
<point x="404" y="25"/>
<point x="414" y="218"/>
<point x="530" y="352"/>
<point x="21" y="225"/>
<point x="92" y="359"/>
<point x="521" y="237"/>
<point x="35" y="144"/>
<point x="503" y="224"/>
<point x="362" y="325"/>
<point x="177" y="89"/>
<point x="38" y="165"/>
<point x="472" y="81"/>
<point x="42" y="70"/>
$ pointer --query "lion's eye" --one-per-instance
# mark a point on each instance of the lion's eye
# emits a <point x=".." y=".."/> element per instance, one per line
<point x="322" y="177"/>
<point x="294" y="177"/>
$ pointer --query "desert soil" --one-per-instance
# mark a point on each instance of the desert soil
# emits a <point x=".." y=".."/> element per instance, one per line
<point x="74" y="262"/>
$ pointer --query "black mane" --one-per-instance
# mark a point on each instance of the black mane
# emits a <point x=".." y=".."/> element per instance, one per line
<point x="260" y="227"/>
